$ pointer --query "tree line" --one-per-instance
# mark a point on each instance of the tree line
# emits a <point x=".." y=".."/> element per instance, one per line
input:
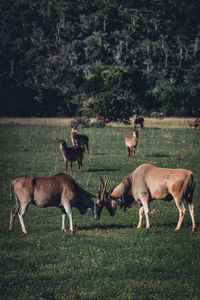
<point x="74" y="58"/>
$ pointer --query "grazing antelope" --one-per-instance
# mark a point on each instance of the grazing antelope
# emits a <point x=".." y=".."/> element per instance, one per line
<point x="131" y="141"/>
<point x="71" y="154"/>
<point x="148" y="183"/>
<point x="195" y="124"/>
<point x="79" y="139"/>
<point x="60" y="190"/>
<point x="137" y="120"/>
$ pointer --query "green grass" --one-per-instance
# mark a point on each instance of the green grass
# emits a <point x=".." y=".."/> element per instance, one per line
<point x="108" y="259"/>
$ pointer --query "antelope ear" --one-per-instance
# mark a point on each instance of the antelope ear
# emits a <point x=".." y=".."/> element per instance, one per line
<point x="134" y="133"/>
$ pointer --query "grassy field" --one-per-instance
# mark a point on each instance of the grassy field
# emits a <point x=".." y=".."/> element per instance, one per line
<point x="109" y="258"/>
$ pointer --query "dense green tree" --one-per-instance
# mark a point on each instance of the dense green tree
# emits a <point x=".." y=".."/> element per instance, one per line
<point x="180" y="100"/>
<point x="108" y="107"/>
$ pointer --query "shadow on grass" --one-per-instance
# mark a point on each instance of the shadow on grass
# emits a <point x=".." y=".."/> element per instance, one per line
<point x="105" y="227"/>
<point x="88" y="170"/>
<point x="159" y="155"/>
<point x="154" y="227"/>
<point x="101" y="170"/>
<point x="108" y="153"/>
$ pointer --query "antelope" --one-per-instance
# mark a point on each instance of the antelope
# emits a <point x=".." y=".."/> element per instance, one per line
<point x="79" y="139"/>
<point x="148" y="183"/>
<point x="137" y="120"/>
<point x="195" y="124"/>
<point x="60" y="191"/>
<point x="131" y="141"/>
<point x="71" y="154"/>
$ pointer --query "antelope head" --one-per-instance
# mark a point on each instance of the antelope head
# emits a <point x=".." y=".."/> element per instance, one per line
<point x="105" y="199"/>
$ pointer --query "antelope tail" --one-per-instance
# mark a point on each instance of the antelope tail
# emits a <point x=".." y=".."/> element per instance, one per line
<point x="190" y="188"/>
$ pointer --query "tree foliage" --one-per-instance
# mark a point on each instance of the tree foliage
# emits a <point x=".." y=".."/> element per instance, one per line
<point x="177" y="100"/>
<point x="108" y="107"/>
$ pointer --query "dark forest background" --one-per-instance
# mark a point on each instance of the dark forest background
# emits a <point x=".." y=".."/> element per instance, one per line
<point x="80" y="57"/>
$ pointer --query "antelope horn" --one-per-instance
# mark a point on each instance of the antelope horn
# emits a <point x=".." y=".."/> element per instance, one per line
<point x="101" y="182"/>
<point x="105" y="185"/>
<point x="104" y="188"/>
<point x="99" y="186"/>
<point x="111" y="190"/>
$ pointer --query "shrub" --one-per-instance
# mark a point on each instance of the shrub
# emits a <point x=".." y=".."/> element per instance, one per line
<point x="108" y="107"/>
<point x="180" y="101"/>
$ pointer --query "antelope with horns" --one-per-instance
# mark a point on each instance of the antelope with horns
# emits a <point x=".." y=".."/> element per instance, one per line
<point x="60" y="190"/>
<point x="79" y="139"/>
<point x="148" y="183"/>
<point x="71" y="154"/>
<point x="131" y="141"/>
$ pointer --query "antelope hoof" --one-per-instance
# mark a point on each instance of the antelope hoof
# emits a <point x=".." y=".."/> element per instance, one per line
<point x="68" y="231"/>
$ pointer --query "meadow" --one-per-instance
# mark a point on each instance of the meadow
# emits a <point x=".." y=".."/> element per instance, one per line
<point x="109" y="258"/>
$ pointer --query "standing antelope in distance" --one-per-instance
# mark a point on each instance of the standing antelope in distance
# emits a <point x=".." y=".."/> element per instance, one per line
<point x="137" y="120"/>
<point x="148" y="183"/>
<point x="71" y="154"/>
<point x="79" y="139"/>
<point x="131" y="141"/>
<point x="60" y="191"/>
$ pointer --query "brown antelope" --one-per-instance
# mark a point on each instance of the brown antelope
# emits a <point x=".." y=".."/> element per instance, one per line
<point x="71" y="154"/>
<point x="195" y="124"/>
<point x="79" y="139"/>
<point x="137" y="120"/>
<point x="131" y="141"/>
<point x="148" y="183"/>
<point x="60" y="190"/>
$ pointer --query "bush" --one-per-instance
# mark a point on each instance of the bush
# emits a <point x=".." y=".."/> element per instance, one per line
<point x="108" y="107"/>
<point x="180" y="101"/>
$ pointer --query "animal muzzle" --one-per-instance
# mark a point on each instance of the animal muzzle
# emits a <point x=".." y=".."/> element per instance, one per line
<point x="96" y="217"/>
<point x="96" y="214"/>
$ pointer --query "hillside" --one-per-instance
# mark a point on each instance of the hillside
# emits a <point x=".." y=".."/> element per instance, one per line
<point x="56" y="54"/>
